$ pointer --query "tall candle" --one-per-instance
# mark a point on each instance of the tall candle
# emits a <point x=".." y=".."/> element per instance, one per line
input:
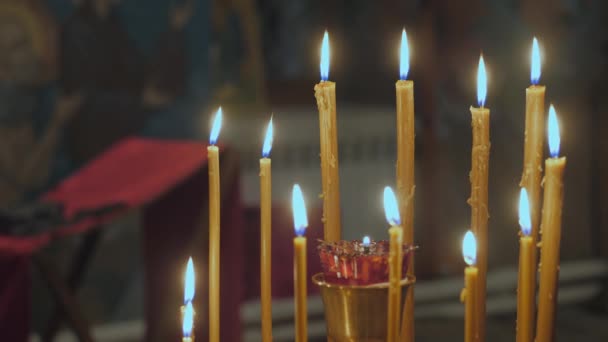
<point x="527" y="269"/>
<point x="533" y="150"/>
<point x="325" y="93"/>
<point x="405" y="174"/>
<point x="300" y="222"/>
<point x="214" y="229"/>
<point x="551" y="231"/>
<point x="266" y="236"/>
<point x="479" y="191"/>
<point x="187" y="310"/>
<point x="471" y="280"/>
<point x="395" y="261"/>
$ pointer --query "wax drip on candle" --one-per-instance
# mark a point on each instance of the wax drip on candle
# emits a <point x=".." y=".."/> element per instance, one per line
<point x="300" y="219"/>
<point x="553" y="133"/>
<point x="215" y="128"/>
<point x="189" y="282"/>
<point x="325" y="57"/>
<point x="525" y="221"/>
<point x="391" y="210"/>
<point x="404" y="60"/>
<point x="268" y="140"/>
<point x="535" y="66"/>
<point x="482" y="82"/>
<point x="469" y="248"/>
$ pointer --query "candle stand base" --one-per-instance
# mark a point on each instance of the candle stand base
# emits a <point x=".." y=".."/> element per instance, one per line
<point x="356" y="313"/>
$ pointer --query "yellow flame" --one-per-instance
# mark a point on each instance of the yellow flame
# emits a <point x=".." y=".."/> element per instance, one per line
<point x="404" y="65"/>
<point x="469" y="248"/>
<point x="482" y="82"/>
<point x="535" y="67"/>
<point x="525" y="221"/>
<point x="553" y="133"/>
<point x="215" y="128"/>
<point x="189" y="283"/>
<point x="325" y="57"/>
<point x="268" y="140"/>
<point x="391" y="210"/>
<point x="300" y="219"/>
<point x="188" y="320"/>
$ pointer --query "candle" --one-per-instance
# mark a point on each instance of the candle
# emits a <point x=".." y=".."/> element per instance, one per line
<point x="300" y="222"/>
<point x="405" y="173"/>
<point x="471" y="283"/>
<point x="395" y="261"/>
<point x="527" y="269"/>
<point x="266" y="236"/>
<point x="187" y="310"/>
<point x="533" y="149"/>
<point x="325" y="93"/>
<point x="551" y="225"/>
<point x="479" y="191"/>
<point x="214" y="229"/>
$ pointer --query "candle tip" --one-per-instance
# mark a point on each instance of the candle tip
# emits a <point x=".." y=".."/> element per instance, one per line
<point x="553" y="133"/>
<point x="268" y="140"/>
<point x="469" y="248"/>
<point x="535" y="66"/>
<point x="391" y="210"/>
<point x="215" y="127"/>
<point x="300" y="219"/>
<point x="324" y="66"/>
<point x="525" y="221"/>
<point x="404" y="60"/>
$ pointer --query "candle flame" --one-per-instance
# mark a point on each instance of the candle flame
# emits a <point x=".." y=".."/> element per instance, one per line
<point x="188" y="320"/>
<point x="300" y="220"/>
<point x="482" y="82"/>
<point x="553" y="133"/>
<point x="215" y="128"/>
<point x="391" y="210"/>
<point x="404" y="65"/>
<point x="535" y="67"/>
<point x="268" y="140"/>
<point x="469" y="248"/>
<point x="325" y="57"/>
<point x="366" y="241"/>
<point x="525" y="221"/>
<point x="189" y="282"/>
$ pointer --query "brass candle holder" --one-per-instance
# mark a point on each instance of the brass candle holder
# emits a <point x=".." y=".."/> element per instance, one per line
<point x="356" y="313"/>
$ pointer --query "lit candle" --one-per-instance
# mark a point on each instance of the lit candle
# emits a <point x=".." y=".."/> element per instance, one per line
<point x="187" y="310"/>
<point x="480" y="156"/>
<point x="395" y="261"/>
<point x="550" y="231"/>
<point x="471" y="284"/>
<point x="300" y="223"/>
<point x="266" y="236"/>
<point x="405" y="172"/>
<point x="325" y="93"/>
<point x="533" y="148"/>
<point x="527" y="269"/>
<point x="214" y="229"/>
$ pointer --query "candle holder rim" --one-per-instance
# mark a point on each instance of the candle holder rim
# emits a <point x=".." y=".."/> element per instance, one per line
<point x="319" y="280"/>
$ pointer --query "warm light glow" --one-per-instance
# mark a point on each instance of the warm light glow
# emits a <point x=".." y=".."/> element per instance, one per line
<point x="188" y="320"/>
<point x="469" y="248"/>
<point x="482" y="82"/>
<point x="404" y="60"/>
<point x="189" y="282"/>
<point x="300" y="220"/>
<point x="215" y="128"/>
<point x="391" y="210"/>
<point x="325" y="57"/>
<point x="366" y="241"/>
<point x="553" y="133"/>
<point x="268" y="140"/>
<point x="525" y="221"/>
<point x="535" y="67"/>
